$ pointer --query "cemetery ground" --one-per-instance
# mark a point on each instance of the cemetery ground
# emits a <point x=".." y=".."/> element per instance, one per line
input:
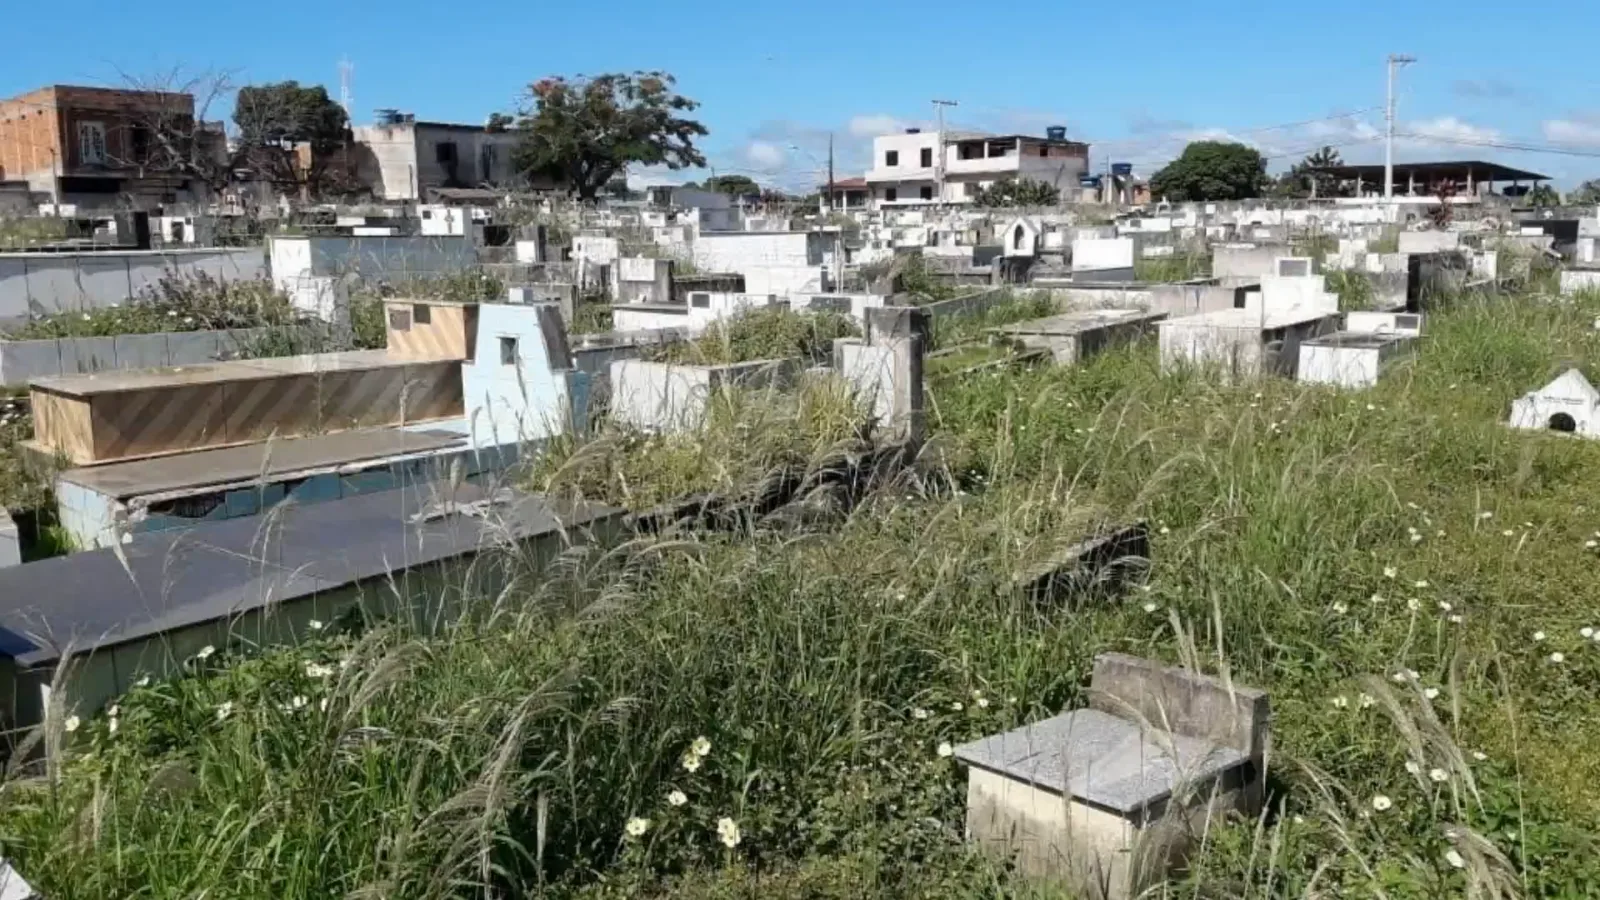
<point x="768" y="713"/>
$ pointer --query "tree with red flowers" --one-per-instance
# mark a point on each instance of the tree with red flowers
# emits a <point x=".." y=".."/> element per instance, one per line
<point x="584" y="131"/>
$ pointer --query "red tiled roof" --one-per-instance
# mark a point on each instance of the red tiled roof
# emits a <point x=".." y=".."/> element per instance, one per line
<point x="849" y="184"/>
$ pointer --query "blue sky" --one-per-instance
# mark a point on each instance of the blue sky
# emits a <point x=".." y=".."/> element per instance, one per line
<point x="774" y="79"/>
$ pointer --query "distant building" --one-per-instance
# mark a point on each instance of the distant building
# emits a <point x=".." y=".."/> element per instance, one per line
<point x="907" y="168"/>
<point x="401" y="158"/>
<point x="91" y="147"/>
<point x="848" y="193"/>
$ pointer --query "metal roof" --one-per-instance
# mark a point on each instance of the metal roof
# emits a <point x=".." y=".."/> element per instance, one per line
<point x="1458" y="170"/>
<point x="216" y="570"/>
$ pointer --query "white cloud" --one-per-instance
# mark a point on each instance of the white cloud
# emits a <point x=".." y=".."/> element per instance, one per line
<point x="874" y="125"/>
<point x="1573" y="131"/>
<point x="657" y="176"/>
<point x="765" y="155"/>
<point x="1450" y="128"/>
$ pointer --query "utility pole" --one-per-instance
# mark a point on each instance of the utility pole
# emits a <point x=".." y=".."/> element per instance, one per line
<point x="1395" y="61"/>
<point x="830" y="174"/>
<point x="938" y="152"/>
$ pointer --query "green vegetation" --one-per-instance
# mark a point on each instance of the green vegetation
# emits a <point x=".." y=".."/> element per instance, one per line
<point x="1009" y="192"/>
<point x="1354" y="288"/>
<point x="1211" y="170"/>
<point x="1413" y="583"/>
<point x="194" y="302"/>
<point x="766" y="333"/>
<point x="1177" y="267"/>
<point x="18" y="233"/>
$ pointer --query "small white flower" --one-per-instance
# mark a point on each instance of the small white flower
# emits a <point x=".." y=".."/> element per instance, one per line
<point x="1365" y="700"/>
<point x="86" y="317"/>
<point x="205" y="652"/>
<point x="1399" y="677"/>
<point x="1341" y="702"/>
<point x="1438" y="776"/>
<point x="701" y="746"/>
<point x="1371" y="408"/>
<point x="957" y="706"/>
<point x="919" y="713"/>
<point x="1454" y="859"/>
<point x="114" y="710"/>
<point x="1486" y="515"/>
<point x="1299" y="820"/>
<point x="1412" y="505"/>
<point x="71" y="724"/>
<point x="1586" y="632"/>
<point x="1444" y="606"/>
<point x="690" y="762"/>
<point x="945" y="749"/>
<point x="1375" y="599"/>
<point x="1340" y="608"/>
<point x="1538" y="636"/>
<point x="1416" y="538"/>
<point x="1431" y="693"/>
<point x="1413" y="604"/>
<point x="111" y="725"/>
<point x="1508" y="533"/>
<point x="315" y="625"/>
<point x="322" y="705"/>
<point x="983" y="702"/>
<point x="1419" y="584"/>
<point x="728" y="832"/>
<point x="1591" y="543"/>
<point x="317" y="670"/>
<point x="1151" y="607"/>
<point x="1011" y="701"/>
<point x="297" y="702"/>
<point x="1413" y="767"/>
<point x="637" y="826"/>
<point x="677" y="798"/>
<point x="1390" y="571"/>
<point x="1480" y="756"/>
<point x="224" y="710"/>
<point x="1558" y="657"/>
<point x="1456" y="619"/>
<point x="1381" y="803"/>
<point x="1165" y="530"/>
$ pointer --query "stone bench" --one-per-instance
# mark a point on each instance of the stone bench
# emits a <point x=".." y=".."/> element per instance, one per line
<point x="1109" y="798"/>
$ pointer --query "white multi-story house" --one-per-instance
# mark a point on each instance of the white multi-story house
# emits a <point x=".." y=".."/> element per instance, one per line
<point x="907" y="169"/>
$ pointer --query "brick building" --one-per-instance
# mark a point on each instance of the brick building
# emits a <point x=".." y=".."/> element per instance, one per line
<point x="92" y="146"/>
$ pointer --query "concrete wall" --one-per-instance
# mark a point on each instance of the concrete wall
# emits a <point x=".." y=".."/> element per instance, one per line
<point x="780" y="262"/>
<point x="664" y="397"/>
<point x="1575" y="280"/>
<point x="691" y="317"/>
<point x="24" y="360"/>
<point x="1102" y="253"/>
<point x="1351" y="367"/>
<point x="48" y="283"/>
<point x="10" y="542"/>
<point x="1428" y="241"/>
<point x="1246" y="261"/>
<point x="372" y="258"/>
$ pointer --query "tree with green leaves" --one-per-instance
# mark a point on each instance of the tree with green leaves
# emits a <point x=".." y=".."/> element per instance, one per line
<point x="733" y="185"/>
<point x="1212" y="170"/>
<point x="291" y="136"/>
<point x="498" y="122"/>
<point x="1586" y="193"/>
<point x="1307" y="177"/>
<point x="1012" y="192"/>
<point x="583" y="131"/>
<point x="1543" y="195"/>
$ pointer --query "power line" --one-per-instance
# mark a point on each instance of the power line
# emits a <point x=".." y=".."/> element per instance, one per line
<point x="1503" y="145"/>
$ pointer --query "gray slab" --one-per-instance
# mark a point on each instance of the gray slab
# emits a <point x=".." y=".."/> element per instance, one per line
<point x="190" y="348"/>
<point x="22" y="360"/>
<point x="268" y="460"/>
<point x="213" y="570"/>
<point x="141" y="351"/>
<point x="1100" y="759"/>
<point x="10" y="541"/>
<point x="82" y="355"/>
<point x="1080" y="321"/>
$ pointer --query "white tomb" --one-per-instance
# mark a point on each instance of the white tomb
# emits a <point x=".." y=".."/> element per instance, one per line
<point x="1568" y="404"/>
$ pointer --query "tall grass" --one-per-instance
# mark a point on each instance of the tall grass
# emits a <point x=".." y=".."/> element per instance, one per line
<point x="1318" y="544"/>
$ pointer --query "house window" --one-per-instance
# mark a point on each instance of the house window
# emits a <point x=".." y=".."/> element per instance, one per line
<point x="486" y="162"/>
<point x="399" y="320"/>
<point x="891" y="158"/>
<point x="927" y="157"/>
<point x="422" y="315"/>
<point x="1044" y="149"/>
<point x="1016" y="238"/>
<point x="927" y="193"/>
<point x="969" y="189"/>
<point x="427" y="214"/>
<point x="700" y="300"/>
<point x="92" y="143"/>
<point x="890" y="195"/>
<point x="444" y="153"/>
<point x="998" y="148"/>
<point x="139" y="143"/>
<point x="508" y="351"/>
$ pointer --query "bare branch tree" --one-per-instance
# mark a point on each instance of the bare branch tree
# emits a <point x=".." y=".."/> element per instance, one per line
<point x="171" y="132"/>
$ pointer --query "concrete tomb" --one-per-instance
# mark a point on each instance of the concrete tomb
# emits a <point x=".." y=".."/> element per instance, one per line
<point x="1106" y="800"/>
<point x="1568" y="404"/>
